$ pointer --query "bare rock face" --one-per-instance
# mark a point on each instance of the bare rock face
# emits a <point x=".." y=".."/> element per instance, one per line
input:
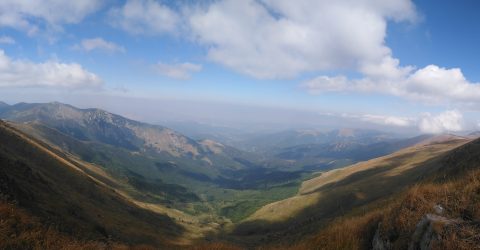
<point x="428" y="230"/>
<point x="378" y="242"/>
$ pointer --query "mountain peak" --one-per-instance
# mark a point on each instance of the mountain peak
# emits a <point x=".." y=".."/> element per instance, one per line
<point x="2" y="104"/>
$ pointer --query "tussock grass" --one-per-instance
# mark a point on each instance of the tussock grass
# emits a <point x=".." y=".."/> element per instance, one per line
<point x="398" y="219"/>
<point x="20" y="230"/>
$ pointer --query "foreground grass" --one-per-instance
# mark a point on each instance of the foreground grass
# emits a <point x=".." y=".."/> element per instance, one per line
<point x="398" y="219"/>
<point x="20" y="230"/>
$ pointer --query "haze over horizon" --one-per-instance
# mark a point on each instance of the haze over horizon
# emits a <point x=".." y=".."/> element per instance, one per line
<point x="239" y="124"/>
<point x="405" y="66"/>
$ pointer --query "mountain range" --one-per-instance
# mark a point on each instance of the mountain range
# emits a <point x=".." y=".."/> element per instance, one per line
<point x="87" y="178"/>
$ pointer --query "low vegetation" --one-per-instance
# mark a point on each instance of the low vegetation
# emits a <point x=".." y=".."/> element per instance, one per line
<point x="455" y="187"/>
<point x="58" y="192"/>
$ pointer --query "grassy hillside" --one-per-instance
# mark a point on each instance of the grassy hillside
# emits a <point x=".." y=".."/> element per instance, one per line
<point x="55" y="190"/>
<point x="156" y="165"/>
<point x="175" y="183"/>
<point x="20" y="230"/>
<point x="337" y="192"/>
<point x="455" y="186"/>
<point x="52" y="198"/>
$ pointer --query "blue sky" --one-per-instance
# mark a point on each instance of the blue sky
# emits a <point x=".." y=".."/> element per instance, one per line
<point x="399" y="64"/>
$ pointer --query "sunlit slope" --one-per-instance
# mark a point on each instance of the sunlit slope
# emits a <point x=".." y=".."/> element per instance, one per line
<point x="335" y="192"/>
<point x="395" y="222"/>
<point x="399" y="162"/>
<point x="80" y="198"/>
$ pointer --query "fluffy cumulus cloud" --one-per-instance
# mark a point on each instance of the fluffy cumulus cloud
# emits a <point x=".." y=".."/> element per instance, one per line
<point x="448" y="121"/>
<point x="271" y="39"/>
<point x="431" y="84"/>
<point x="436" y="83"/>
<point x="99" y="44"/>
<point x="179" y="71"/>
<point x="17" y="73"/>
<point x="6" y="40"/>
<point x="147" y="17"/>
<point x="25" y="14"/>
<point x="282" y="38"/>
<point x="277" y="38"/>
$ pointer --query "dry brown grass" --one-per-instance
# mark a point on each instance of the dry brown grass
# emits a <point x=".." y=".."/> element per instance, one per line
<point x="214" y="246"/>
<point x="376" y="178"/>
<point x="460" y="197"/>
<point x="19" y="230"/>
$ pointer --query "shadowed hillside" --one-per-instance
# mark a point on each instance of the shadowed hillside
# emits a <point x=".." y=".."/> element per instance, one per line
<point x="448" y="200"/>
<point x="54" y="190"/>
<point x="338" y="192"/>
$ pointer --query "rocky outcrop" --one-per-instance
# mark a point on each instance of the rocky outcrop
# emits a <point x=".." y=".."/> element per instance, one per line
<point x="428" y="231"/>
<point x="379" y="242"/>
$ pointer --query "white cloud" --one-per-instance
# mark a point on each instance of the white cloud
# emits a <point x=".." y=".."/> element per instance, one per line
<point x="145" y="17"/>
<point x="431" y="84"/>
<point x="17" y="73"/>
<point x="179" y="71"/>
<point x="282" y="38"/>
<point x="25" y="14"/>
<point x="388" y="120"/>
<point x="7" y="40"/>
<point x="437" y="84"/>
<point x="448" y="121"/>
<point x="276" y="38"/>
<point x="326" y="84"/>
<point x="99" y="44"/>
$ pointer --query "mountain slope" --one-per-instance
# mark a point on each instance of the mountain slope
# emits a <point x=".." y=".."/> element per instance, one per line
<point x="342" y="153"/>
<point x="440" y="212"/>
<point x="339" y="191"/>
<point x="56" y="190"/>
<point x="3" y="106"/>
<point x="100" y="126"/>
<point x="202" y="185"/>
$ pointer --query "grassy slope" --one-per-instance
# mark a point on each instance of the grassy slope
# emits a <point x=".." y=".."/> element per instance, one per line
<point x="20" y="230"/>
<point x="455" y="185"/>
<point x="61" y="194"/>
<point x="337" y="192"/>
<point x="215" y="202"/>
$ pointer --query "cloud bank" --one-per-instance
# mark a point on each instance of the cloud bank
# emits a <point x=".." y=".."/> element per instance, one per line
<point x="98" y="44"/>
<point x="18" y="73"/>
<point x="276" y="39"/>
<point x="444" y="122"/>
<point x="179" y="71"/>
<point x="30" y="16"/>
<point x="147" y="17"/>
<point x="431" y="84"/>
<point x="448" y="121"/>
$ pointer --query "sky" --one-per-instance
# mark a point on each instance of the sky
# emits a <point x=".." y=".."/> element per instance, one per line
<point x="394" y="64"/>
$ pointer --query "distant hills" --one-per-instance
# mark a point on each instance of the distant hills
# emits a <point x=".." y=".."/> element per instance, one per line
<point x="93" y="178"/>
<point x="292" y="138"/>
<point x="156" y="164"/>
<point x="99" y="126"/>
